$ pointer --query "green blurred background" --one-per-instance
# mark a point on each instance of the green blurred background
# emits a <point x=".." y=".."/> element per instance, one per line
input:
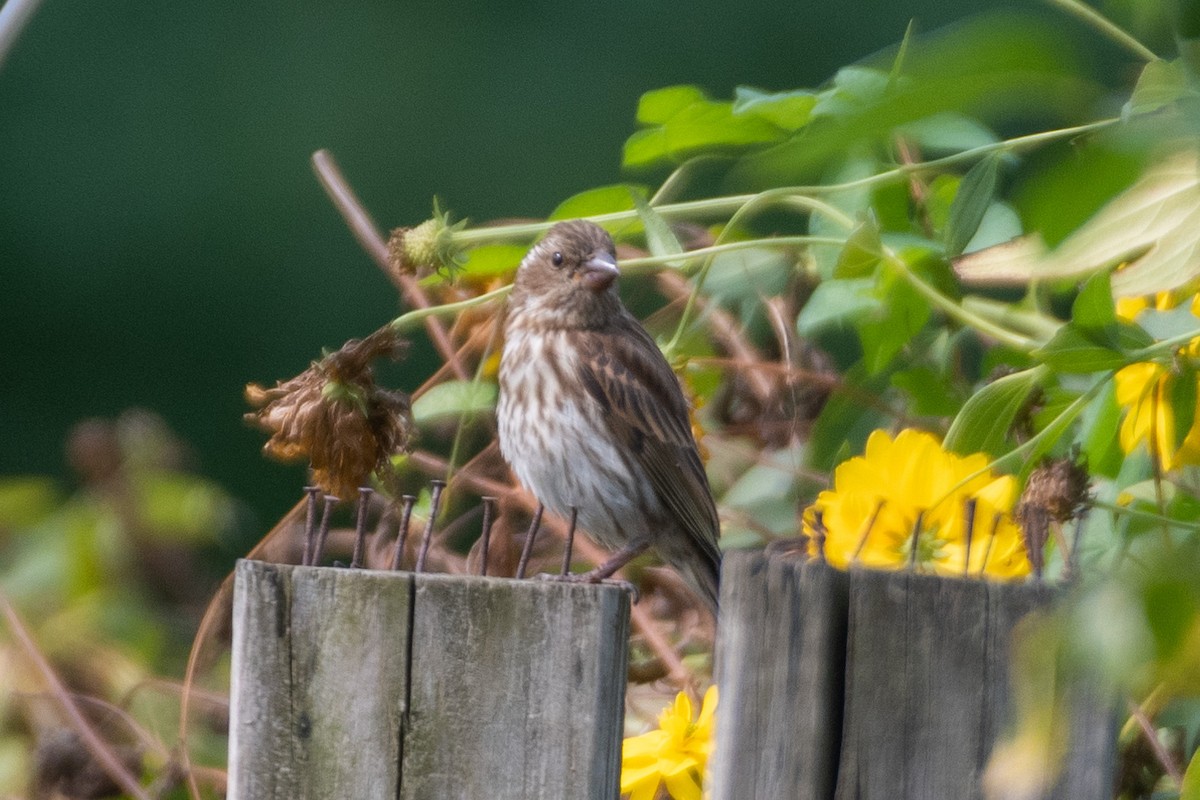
<point x="163" y="241"/>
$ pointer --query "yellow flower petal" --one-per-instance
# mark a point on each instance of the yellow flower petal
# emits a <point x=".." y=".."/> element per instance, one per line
<point x="872" y="510"/>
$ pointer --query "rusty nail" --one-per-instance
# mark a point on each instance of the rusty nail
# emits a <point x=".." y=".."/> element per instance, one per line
<point x="435" y="501"/>
<point x="527" y="550"/>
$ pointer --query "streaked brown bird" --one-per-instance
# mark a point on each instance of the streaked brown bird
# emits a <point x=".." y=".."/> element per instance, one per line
<point x="592" y="418"/>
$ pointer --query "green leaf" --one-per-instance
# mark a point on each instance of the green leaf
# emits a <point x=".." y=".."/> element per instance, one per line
<point x="974" y="195"/>
<point x="659" y="105"/>
<point x="1131" y="336"/>
<point x="1152" y="229"/>
<point x="846" y="421"/>
<point x="1161" y="84"/>
<point x="1190" y="789"/>
<point x="932" y="394"/>
<point x="454" y="398"/>
<point x="1000" y="224"/>
<point x="854" y="89"/>
<point x="983" y="424"/>
<point x="1053" y="429"/>
<point x="1098" y="434"/>
<point x="181" y="507"/>
<point x="862" y="251"/>
<point x="1183" y="401"/>
<point x="1093" y="309"/>
<point x="660" y="239"/>
<point x="26" y="499"/>
<point x="601" y="200"/>
<point x="490" y="260"/>
<point x="645" y="147"/>
<point x="901" y="314"/>
<point x="743" y="277"/>
<point x="788" y="110"/>
<point x="947" y="132"/>
<point x="854" y="203"/>
<point x="837" y="302"/>
<point x="701" y="126"/>
<point x="1073" y="350"/>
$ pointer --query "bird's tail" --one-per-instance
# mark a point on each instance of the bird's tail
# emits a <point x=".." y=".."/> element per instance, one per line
<point x="704" y="576"/>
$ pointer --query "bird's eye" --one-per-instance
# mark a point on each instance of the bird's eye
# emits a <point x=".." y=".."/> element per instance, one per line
<point x="557" y="259"/>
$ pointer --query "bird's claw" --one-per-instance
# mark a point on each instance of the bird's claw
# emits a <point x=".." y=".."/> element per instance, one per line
<point x="587" y="577"/>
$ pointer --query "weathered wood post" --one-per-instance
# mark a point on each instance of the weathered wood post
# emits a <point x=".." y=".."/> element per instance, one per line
<point x="780" y="665"/>
<point x="364" y="684"/>
<point x="927" y="691"/>
<point x="875" y="685"/>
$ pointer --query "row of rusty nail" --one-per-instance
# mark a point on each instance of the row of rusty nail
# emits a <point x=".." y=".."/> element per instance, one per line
<point x="969" y="508"/>
<point x="316" y="533"/>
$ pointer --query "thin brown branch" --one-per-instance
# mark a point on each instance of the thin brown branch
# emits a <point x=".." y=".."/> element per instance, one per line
<point x="96" y="745"/>
<point x="14" y="16"/>
<point x="137" y="729"/>
<point x="367" y="234"/>
<point x="726" y="332"/>
<point x="908" y="156"/>
<point x="1160" y="752"/>
<point x="639" y="618"/>
<point x="218" y="610"/>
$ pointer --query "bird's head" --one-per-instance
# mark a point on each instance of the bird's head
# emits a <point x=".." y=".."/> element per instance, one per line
<point x="570" y="275"/>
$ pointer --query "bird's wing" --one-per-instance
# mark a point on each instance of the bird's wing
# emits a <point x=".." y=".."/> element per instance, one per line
<point x="625" y="373"/>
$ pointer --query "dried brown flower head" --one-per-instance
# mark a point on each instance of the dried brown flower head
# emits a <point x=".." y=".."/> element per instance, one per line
<point x="334" y="414"/>
<point x="1055" y="492"/>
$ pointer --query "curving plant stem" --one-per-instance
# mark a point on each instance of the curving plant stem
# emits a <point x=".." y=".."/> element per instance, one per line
<point x="99" y="749"/>
<point x="14" y="16"/>
<point x="367" y="234"/>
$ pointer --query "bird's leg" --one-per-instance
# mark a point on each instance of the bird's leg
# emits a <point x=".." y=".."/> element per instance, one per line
<point x="527" y="550"/>
<point x="570" y="542"/>
<point x="604" y="572"/>
<point x="360" y="527"/>
<point x="619" y="559"/>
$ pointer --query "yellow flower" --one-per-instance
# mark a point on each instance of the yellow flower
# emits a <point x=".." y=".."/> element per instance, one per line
<point x="1129" y="307"/>
<point x="1145" y="389"/>
<point x="877" y="498"/>
<point x="675" y="754"/>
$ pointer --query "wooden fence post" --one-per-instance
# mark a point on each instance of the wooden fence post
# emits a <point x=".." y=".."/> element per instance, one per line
<point x="780" y="665"/>
<point x="927" y="691"/>
<point x="876" y="685"/>
<point x="364" y="684"/>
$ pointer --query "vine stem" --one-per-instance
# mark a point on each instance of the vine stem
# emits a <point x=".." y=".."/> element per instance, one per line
<point x="730" y="204"/>
<point x="1092" y="17"/>
<point x="406" y="321"/>
<point x="1053" y="429"/>
<point x="1168" y="345"/>
<point x="1150" y="516"/>
<point x="957" y="311"/>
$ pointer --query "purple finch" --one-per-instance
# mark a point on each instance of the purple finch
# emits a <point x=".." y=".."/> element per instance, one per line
<point x="592" y="418"/>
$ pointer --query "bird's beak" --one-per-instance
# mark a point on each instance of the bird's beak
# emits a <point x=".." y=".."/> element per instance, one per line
<point x="599" y="272"/>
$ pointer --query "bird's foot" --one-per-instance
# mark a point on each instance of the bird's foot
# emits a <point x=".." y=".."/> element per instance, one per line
<point x="595" y="577"/>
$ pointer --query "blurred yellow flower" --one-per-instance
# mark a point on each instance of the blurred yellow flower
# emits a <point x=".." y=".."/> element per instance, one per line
<point x="877" y="499"/>
<point x="674" y="755"/>
<point x="1145" y="389"/>
<point x="1129" y="307"/>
